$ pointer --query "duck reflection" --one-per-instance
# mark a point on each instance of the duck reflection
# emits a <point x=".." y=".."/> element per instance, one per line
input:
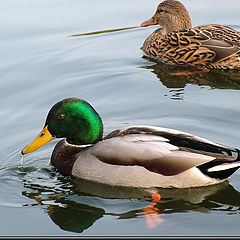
<point x="219" y="79"/>
<point x="75" y="205"/>
<point x="203" y="199"/>
<point x="74" y="217"/>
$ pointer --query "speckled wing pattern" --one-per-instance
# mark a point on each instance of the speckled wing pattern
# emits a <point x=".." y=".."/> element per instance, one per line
<point x="223" y="32"/>
<point x="205" y="46"/>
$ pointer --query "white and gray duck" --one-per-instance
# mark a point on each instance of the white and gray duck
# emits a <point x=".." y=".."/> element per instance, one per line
<point x="133" y="156"/>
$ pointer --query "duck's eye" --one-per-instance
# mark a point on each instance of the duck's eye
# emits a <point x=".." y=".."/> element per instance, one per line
<point x="160" y="10"/>
<point x="61" y="116"/>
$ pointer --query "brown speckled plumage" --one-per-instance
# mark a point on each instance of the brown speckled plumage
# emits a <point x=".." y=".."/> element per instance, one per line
<point x="205" y="46"/>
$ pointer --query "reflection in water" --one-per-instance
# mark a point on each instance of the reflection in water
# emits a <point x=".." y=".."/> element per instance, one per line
<point x="220" y="79"/>
<point x="68" y="200"/>
<point x="103" y="31"/>
<point x="75" y="217"/>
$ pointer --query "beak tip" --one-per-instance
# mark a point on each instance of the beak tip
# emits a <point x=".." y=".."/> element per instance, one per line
<point x="23" y="152"/>
<point x="43" y="137"/>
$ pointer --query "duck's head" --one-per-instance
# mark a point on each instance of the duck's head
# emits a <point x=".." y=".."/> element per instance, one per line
<point x="171" y="15"/>
<point x="73" y="119"/>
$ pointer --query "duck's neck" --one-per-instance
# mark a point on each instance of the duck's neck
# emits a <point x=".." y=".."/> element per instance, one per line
<point x="64" y="156"/>
<point x="163" y="30"/>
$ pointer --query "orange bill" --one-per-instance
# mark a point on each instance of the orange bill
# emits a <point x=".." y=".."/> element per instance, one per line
<point x="149" y="22"/>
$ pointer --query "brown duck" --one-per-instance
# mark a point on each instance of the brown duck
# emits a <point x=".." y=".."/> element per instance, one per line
<point x="177" y="42"/>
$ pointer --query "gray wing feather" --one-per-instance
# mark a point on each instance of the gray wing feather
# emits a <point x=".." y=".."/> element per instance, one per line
<point x="158" y="156"/>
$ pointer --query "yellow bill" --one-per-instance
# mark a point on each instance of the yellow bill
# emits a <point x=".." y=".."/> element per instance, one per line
<point x="44" y="137"/>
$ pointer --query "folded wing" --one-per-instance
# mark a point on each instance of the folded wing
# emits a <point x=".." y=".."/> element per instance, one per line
<point x="156" y="154"/>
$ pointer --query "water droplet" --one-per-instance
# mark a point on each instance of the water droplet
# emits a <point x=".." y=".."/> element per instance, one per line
<point x="22" y="161"/>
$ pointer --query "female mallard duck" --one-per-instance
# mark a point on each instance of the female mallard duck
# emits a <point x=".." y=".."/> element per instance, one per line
<point x="135" y="156"/>
<point x="205" y="46"/>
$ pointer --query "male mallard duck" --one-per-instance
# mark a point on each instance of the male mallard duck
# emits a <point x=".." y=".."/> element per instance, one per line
<point x="134" y="156"/>
<point x="205" y="46"/>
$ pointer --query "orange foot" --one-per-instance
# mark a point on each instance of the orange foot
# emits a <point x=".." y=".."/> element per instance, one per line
<point x="186" y="73"/>
<point x="151" y="213"/>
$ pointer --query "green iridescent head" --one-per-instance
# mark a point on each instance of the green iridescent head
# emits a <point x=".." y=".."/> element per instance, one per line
<point x="76" y="120"/>
<point x="73" y="119"/>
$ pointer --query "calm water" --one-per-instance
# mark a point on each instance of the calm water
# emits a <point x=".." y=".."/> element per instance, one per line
<point x="41" y="64"/>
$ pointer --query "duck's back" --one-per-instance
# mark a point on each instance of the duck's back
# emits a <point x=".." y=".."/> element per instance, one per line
<point x="142" y="156"/>
<point x="211" y="46"/>
<point x="223" y="32"/>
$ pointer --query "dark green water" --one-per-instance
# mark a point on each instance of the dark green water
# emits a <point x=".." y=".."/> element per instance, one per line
<point x="41" y="64"/>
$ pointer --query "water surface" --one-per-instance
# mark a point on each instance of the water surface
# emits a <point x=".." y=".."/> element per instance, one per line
<point x="41" y="64"/>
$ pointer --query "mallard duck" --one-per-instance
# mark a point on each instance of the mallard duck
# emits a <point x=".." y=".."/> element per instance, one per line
<point x="177" y="42"/>
<point x="133" y="156"/>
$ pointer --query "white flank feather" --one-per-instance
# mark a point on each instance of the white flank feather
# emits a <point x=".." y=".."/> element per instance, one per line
<point x="224" y="166"/>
